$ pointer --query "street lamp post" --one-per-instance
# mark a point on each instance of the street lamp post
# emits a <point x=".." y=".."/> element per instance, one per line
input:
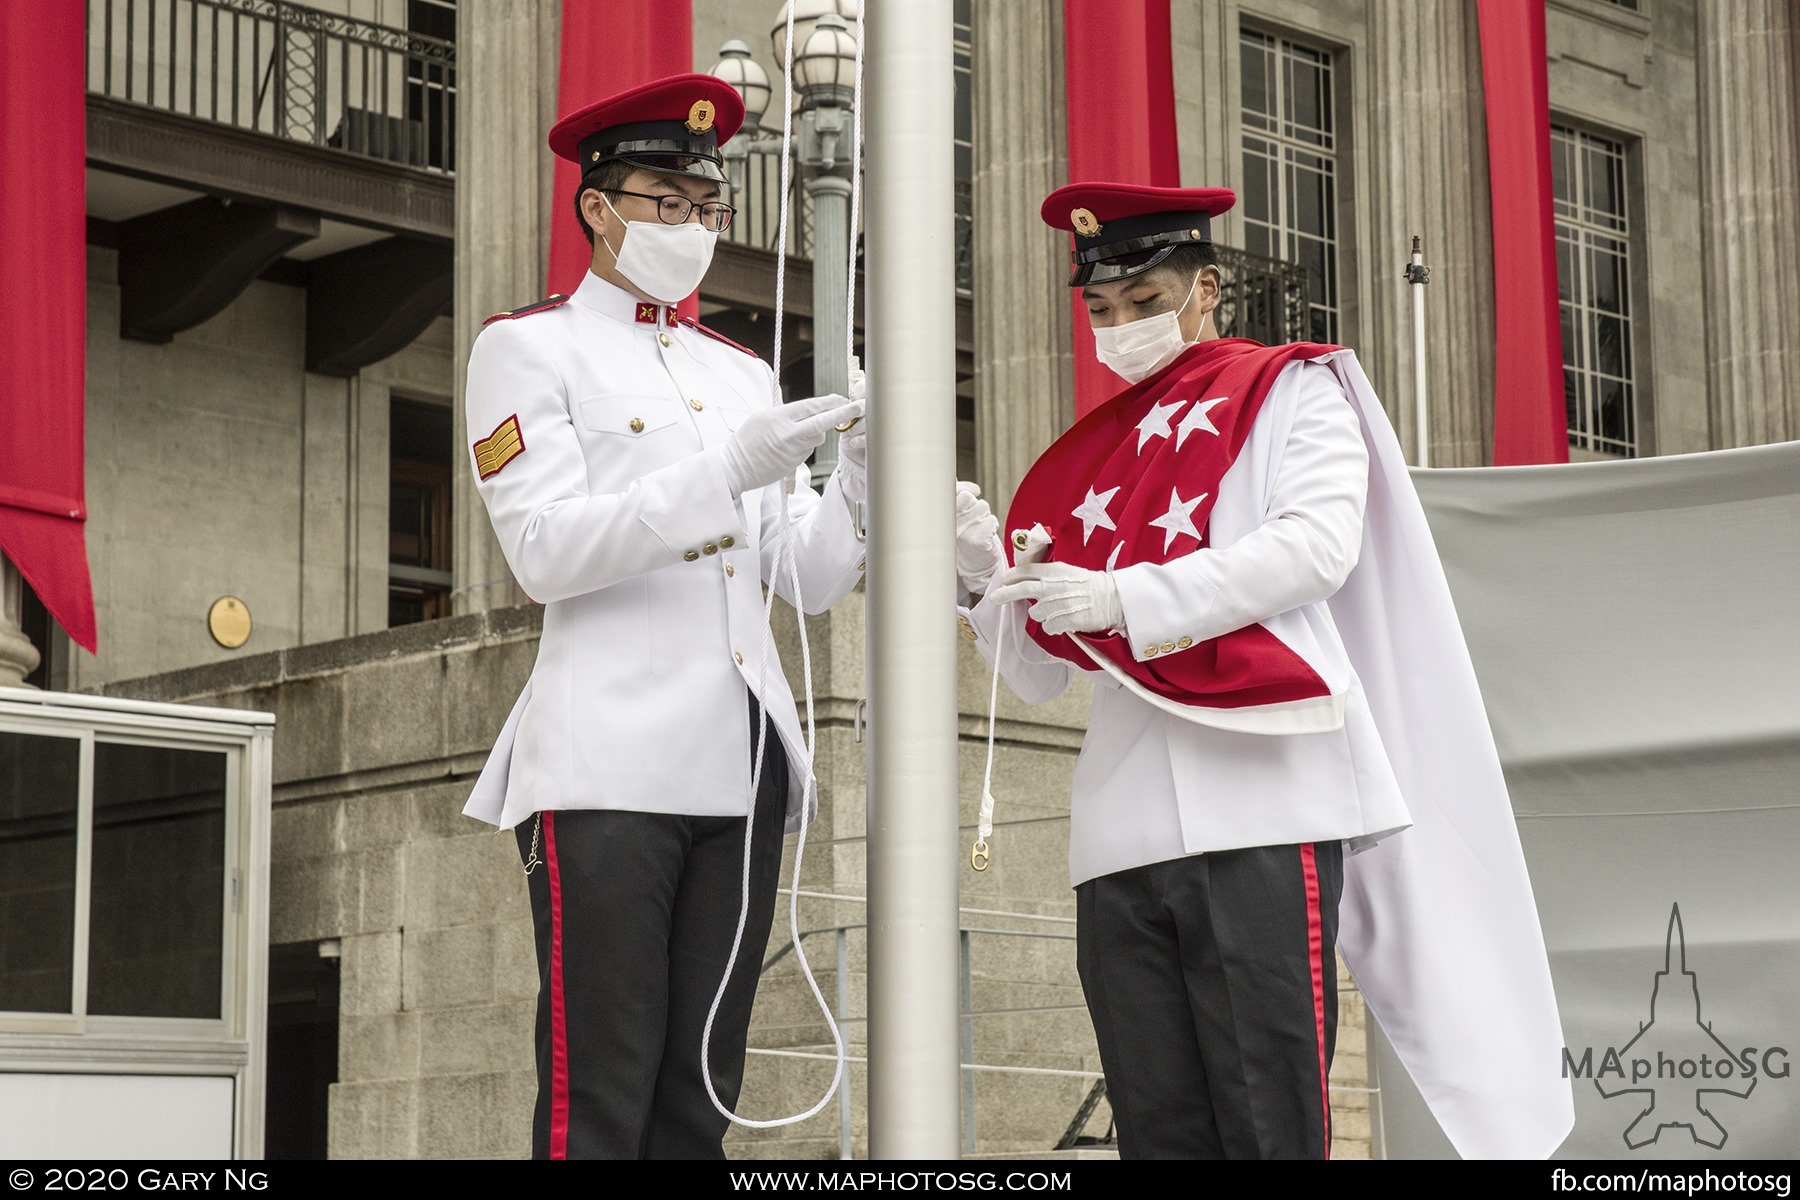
<point x="824" y="65"/>
<point x="824" y="75"/>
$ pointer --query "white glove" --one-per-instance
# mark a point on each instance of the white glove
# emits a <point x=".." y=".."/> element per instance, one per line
<point x="853" y="448"/>
<point x="1068" y="599"/>
<point x="979" y="551"/>
<point x="773" y="441"/>
<point x="853" y="443"/>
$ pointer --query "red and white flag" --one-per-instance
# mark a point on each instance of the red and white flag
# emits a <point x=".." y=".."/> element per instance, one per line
<point x="1135" y="481"/>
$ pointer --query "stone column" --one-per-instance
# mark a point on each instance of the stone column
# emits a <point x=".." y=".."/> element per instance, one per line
<point x="1750" y="219"/>
<point x="1428" y="175"/>
<point x="507" y="64"/>
<point x="18" y="657"/>
<point x="1024" y="381"/>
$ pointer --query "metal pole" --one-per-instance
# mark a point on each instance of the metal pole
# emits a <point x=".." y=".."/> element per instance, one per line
<point x="1418" y="275"/>
<point x="912" y="842"/>
<point x="830" y="195"/>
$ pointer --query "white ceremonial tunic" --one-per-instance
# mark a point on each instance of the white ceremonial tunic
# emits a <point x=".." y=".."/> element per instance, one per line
<point x="1153" y="785"/>
<point x="616" y="516"/>
<point x="1437" y="922"/>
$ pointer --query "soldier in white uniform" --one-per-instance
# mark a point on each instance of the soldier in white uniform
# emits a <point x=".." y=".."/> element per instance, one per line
<point x="633" y="464"/>
<point x="1207" y="829"/>
<point x="1288" y="747"/>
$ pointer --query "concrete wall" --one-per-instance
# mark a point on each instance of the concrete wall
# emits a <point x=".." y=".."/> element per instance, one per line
<point x="217" y="465"/>
<point x="749" y="21"/>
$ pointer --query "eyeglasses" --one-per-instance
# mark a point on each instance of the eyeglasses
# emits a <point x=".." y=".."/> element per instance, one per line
<point x="675" y="210"/>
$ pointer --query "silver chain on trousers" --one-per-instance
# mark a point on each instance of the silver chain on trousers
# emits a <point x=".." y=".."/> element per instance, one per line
<point x="536" y="828"/>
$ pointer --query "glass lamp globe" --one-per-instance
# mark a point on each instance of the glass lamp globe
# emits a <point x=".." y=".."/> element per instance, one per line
<point x="736" y="67"/>
<point x="825" y="68"/>
<point x="806" y="15"/>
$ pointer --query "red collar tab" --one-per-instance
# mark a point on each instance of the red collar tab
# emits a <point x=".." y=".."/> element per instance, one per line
<point x="646" y="313"/>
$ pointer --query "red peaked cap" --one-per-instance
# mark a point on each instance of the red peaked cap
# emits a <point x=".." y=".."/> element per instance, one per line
<point x="1124" y="229"/>
<point x="675" y="124"/>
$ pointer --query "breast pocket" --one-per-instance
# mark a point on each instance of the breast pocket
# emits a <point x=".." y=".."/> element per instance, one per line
<point x="636" y="432"/>
<point x="639" y="418"/>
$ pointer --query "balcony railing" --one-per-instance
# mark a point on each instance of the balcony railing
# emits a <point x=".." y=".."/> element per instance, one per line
<point x="282" y="69"/>
<point x="755" y="189"/>
<point x="1262" y="298"/>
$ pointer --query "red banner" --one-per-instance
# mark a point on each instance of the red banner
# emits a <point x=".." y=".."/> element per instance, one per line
<point x="608" y="46"/>
<point x="1530" y="418"/>
<point x="43" y="274"/>
<point x="1121" y="116"/>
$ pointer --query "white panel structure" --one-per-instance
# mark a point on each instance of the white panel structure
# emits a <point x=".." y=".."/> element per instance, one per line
<point x="1632" y="626"/>
<point x="134" y="928"/>
<point x="85" y="1118"/>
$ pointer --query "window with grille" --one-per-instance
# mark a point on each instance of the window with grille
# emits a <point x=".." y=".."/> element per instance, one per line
<point x="1289" y="196"/>
<point x="1593" y="270"/>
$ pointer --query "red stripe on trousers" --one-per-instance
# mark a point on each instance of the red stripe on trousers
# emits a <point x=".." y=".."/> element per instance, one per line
<point x="1315" y="953"/>
<point x="559" y="1019"/>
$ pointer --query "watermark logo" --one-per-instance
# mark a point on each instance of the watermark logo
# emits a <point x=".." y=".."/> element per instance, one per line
<point x="1676" y="1067"/>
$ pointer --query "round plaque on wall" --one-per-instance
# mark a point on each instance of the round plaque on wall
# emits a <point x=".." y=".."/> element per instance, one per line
<point x="229" y="622"/>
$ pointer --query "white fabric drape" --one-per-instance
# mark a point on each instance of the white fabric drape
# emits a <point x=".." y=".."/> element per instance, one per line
<point x="1437" y="923"/>
<point x="1635" y="629"/>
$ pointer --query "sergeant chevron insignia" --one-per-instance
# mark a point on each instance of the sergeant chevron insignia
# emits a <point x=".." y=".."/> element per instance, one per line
<point x="498" y="448"/>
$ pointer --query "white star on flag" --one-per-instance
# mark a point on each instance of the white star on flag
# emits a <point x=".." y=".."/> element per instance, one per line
<point x="1197" y="418"/>
<point x="1093" y="513"/>
<point x="1156" y="422"/>
<point x="1179" y="519"/>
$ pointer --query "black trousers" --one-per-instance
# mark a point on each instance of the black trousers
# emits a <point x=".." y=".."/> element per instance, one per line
<point x="635" y="914"/>
<point x="1212" y="984"/>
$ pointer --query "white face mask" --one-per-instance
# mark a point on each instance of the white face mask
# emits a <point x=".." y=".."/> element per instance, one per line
<point x="1139" y="349"/>
<point x="666" y="262"/>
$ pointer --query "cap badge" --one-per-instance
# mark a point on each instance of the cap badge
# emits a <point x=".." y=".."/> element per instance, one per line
<point x="1084" y="223"/>
<point x="700" y="117"/>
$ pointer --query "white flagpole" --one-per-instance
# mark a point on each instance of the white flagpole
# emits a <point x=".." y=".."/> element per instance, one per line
<point x="913" y="851"/>
<point x="1418" y="275"/>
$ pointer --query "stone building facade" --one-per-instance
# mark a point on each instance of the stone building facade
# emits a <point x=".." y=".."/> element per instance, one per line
<point x="223" y="461"/>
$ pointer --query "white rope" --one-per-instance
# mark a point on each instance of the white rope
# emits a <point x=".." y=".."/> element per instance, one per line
<point x="984" y="823"/>
<point x="784" y="556"/>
